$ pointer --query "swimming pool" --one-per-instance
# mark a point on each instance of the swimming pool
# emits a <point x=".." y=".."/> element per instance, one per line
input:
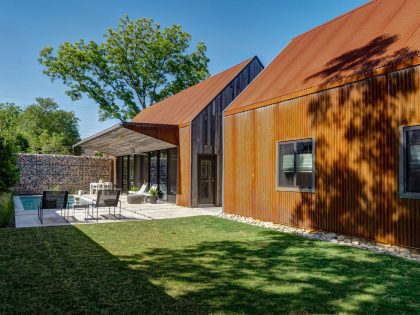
<point x="32" y="202"/>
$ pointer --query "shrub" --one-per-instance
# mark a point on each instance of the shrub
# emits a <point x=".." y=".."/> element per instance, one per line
<point x="6" y="209"/>
<point x="9" y="172"/>
<point x="134" y="188"/>
<point x="153" y="192"/>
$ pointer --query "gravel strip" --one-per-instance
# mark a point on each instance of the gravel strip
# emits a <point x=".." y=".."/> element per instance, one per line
<point x="409" y="253"/>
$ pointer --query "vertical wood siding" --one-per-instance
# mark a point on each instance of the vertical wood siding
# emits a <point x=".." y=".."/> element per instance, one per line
<point x="184" y="168"/>
<point x="356" y="132"/>
<point x="206" y="130"/>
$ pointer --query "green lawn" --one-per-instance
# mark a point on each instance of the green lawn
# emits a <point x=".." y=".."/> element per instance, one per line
<point x="196" y="265"/>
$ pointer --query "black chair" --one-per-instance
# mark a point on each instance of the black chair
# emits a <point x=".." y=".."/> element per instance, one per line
<point x="53" y="200"/>
<point x="106" y="198"/>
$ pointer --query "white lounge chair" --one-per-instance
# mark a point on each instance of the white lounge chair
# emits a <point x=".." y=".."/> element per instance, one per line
<point x="141" y="191"/>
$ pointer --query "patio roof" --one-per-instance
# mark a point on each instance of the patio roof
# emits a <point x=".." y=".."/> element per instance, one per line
<point x="128" y="138"/>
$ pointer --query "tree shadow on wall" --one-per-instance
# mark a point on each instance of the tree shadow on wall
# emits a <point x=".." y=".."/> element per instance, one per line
<point x="357" y="148"/>
<point x="366" y="58"/>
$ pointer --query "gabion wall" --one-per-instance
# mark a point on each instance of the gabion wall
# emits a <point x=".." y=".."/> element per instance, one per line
<point x="41" y="172"/>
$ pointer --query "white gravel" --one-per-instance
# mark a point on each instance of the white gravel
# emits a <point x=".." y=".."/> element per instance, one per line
<point x="409" y="253"/>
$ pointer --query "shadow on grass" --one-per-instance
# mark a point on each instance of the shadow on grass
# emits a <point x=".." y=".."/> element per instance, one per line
<point x="63" y="270"/>
<point x="280" y="273"/>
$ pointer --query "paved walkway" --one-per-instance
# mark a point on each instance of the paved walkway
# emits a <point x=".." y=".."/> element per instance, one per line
<point x="129" y="212"/>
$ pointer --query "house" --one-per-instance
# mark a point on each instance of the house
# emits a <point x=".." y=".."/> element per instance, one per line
<point x="327" y="137"/>
<point x="177" y="143"/>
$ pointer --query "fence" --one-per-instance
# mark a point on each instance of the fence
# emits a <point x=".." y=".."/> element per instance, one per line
<point x="66" y="172"/>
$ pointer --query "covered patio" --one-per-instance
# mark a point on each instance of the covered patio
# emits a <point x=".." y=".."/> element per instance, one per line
<point x="145" y="153"/>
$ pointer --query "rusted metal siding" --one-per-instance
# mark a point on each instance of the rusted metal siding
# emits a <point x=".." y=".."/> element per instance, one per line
<point x="388" y="33"/>
<point x="356" y="133"/>
<point x="184" y="167"/>
<point x="184" y="106"/>
<point x="167" y="133"/>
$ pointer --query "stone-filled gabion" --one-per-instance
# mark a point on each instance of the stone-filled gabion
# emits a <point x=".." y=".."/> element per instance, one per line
<point x="41" y="172"/>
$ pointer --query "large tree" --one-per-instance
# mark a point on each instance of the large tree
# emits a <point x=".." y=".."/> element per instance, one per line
<point x="9" y="171"/>
<point x="39" y="128"/>
<point x="9" y="131"/>
<point x="137" y="65"/>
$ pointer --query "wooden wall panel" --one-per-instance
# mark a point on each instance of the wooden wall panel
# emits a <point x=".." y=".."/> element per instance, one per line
<point x="184" y="168"/>
<point x="356" y="133"/>
<point x="206" y="128"/>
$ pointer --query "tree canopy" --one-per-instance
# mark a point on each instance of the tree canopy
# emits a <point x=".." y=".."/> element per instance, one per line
<point x="9" y="171"/>
<point x="138" y="64"/>
<point x="39" y="128"/>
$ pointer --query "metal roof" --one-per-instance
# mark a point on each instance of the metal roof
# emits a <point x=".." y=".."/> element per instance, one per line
<point x="129" y="138"/>
<point x="184" y="106"/>
<point x="376" y="35"/>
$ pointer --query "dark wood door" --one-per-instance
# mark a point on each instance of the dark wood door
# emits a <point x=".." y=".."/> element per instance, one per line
<point x="206" y="179"/>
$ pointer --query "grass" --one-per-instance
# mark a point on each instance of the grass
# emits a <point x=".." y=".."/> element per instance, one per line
<point x="196" y="265"/>
<point x="6" y="209"/>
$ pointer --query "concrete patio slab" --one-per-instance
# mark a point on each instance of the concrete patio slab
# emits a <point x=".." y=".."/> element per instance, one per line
<point x="129" y="212"/>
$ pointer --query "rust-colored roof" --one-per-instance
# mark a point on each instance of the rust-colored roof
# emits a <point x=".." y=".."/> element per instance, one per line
<point x="184" y="106"/>
<point x="376" y="35"/>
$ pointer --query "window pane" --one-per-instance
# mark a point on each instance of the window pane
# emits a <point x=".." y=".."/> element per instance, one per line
<point x="173" y="170"/>
<point x="145" y="170"/>
<point x="287" y="164"/>
<point x="131" y="171"/>
<point x="304" y="167"/>
<point x="414" y="156"/>
<point x="163" y="173"/>
<point x="153" y="168"/>
<point x="413" y="161"/>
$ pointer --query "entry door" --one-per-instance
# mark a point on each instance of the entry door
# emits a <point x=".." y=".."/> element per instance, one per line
<point x="206" y="179"/>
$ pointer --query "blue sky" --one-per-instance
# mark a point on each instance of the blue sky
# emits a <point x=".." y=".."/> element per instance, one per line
<point x="233" y="30"/>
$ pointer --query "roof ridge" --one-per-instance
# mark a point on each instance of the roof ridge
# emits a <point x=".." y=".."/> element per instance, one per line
<point x="246" y="62"/>
<point x="213" y="83"/>
<point x="336" y="18"/>
<point x="228" y="69"/>
<point x="330" y="85"/>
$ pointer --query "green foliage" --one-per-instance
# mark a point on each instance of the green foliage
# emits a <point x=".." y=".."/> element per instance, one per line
<point x="9" y="117"/>
<point x="6" y="209"/>
<point x="153" y="192"/>
<point x="39" y="128"/>
<point x="134" y="188"/>
<point x="137" y="65"/>
<point x="9" y="171"/>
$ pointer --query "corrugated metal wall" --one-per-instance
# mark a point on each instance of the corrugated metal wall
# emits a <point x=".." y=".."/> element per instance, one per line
<point x="356" y="133"/>
<point x="184" y="168"/>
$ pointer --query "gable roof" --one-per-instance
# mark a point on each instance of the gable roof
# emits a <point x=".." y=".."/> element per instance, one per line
<point x="184" y="106"/>
<point x="376" y="35"/>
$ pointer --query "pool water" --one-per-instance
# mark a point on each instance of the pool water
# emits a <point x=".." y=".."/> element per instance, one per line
<point x="32" y="202"/>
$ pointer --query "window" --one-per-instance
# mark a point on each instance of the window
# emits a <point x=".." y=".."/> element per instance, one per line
<point x="410" y="162"/>
<point x="295" y="165"/>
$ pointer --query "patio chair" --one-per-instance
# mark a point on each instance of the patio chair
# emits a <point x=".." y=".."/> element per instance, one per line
<point x="137" y="197"/>
<point x="53" y="200"/>
<point x="106" y="198"/>
<point x="141" y="191"/>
